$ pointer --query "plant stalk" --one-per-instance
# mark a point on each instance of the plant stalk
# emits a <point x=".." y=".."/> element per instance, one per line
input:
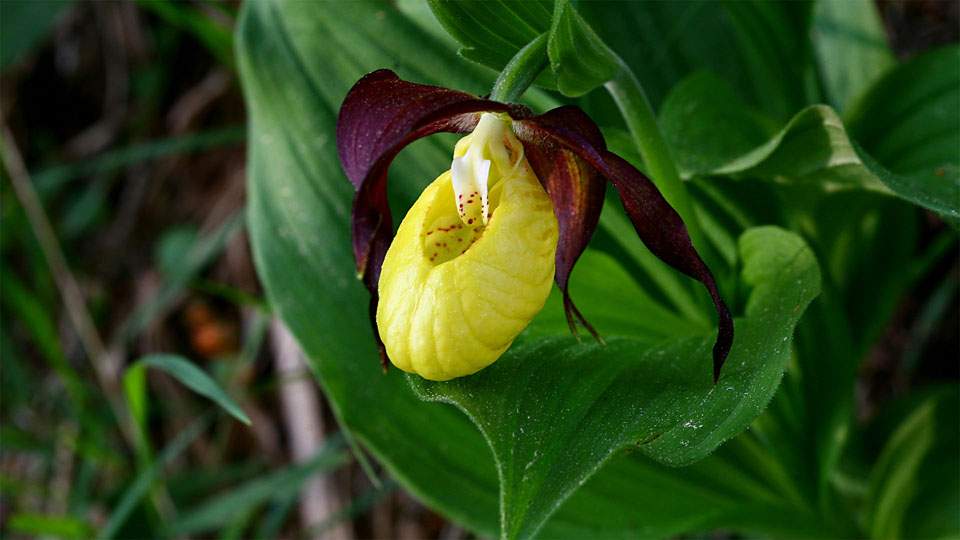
<point x="521" y="71"/>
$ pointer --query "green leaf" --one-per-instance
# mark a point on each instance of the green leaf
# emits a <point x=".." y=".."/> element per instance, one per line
<point x="579" y="59"/>
<point x="276" y="516"/>
<point x="141" y="483"/>
<point x="170" y="247"/>
<point x="933" y="511"/>
<point x="653" y="38"/>
<point x="554" y="411"/>
<point x="633" y="497"/>
<point x="50" y="179"/>
<point x="16" y="383"/>
<point x="919" y="486"/>
<point x="936" y="308"/>
<point x="909" y="121"/>
<point x="46" y="526"/>
<point x="493" y="32"/>
<point x="818" y="398"/>
<point x="30" y="311"/>
<point x="135" y="392"/>
<point x="193" y="378"/>
<point x="894" y="478"/>
<point x="215" y="36"/>
<point x="851" y="49"/>
<point x="775" y="45"/>
<point x="693" y="116"/>
<point x="87" y="209"/>
<point x="191" y="483"/>
<point x="812" y="149"/>
<point x="869" y="245"/>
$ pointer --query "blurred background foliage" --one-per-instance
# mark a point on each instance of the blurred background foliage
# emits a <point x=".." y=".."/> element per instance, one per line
<point x="129" y="241"/>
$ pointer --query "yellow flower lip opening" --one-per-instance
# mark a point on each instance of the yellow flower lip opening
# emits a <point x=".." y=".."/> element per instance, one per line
<point x="491" y="151"/>
<point x="455" y="290"/>
<point x="482" y="161"/>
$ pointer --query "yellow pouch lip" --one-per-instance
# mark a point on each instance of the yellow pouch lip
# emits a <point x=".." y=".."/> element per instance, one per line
<point x="454" y="318"/>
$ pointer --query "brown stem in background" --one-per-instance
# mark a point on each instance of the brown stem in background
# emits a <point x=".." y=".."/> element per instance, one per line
<point x="300" y="403"/>
<point x="189" y="107"/>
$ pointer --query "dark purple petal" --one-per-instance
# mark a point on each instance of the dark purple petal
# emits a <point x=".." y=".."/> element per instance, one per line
<point x="577" y="194"/>
<point x="657" y="223"/>
<point x="380" y="116"/>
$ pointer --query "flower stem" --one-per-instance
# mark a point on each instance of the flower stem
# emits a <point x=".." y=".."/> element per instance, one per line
<point x="642" y="123"/>
<point x="521" y="71"/>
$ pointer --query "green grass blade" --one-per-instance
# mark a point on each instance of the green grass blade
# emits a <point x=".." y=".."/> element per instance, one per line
<point x="195" y="379"/>
<point x="216" y="37"/>
<point x="52" y="178"/>
<point x="44" y="525"/>
<point x="144" y="480"/>
<point x="36" y="317"/>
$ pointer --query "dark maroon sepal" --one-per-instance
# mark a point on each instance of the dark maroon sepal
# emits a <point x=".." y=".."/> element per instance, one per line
<point x="659" y="226"/>
<point x="576" y="190"/>
<point x="380" y="116"/>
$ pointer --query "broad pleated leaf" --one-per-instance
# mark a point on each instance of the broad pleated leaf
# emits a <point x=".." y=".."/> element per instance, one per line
<point x="492" y="32"/>
<point x="910" y="122"/>
<point x="655" y="40"/>
<point x="850" y="44"/>
<point x="774" y="43"/>
<point x="813" y="149"/>
<point x="554" y="411"/>
<point x="697" y="111"/>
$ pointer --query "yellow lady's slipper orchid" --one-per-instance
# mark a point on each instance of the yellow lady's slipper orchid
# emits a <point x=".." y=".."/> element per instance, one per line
<point x="473" y="260"/>
<point x="469" y="268"/>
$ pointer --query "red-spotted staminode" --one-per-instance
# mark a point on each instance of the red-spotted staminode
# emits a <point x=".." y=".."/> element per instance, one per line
<point x="474" y="258"/>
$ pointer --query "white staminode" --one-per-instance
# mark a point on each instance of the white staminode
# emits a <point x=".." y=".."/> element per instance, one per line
<point x="471" y="174"/>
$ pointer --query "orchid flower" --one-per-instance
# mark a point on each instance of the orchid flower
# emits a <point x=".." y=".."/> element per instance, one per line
<point x="473" y="260"/>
